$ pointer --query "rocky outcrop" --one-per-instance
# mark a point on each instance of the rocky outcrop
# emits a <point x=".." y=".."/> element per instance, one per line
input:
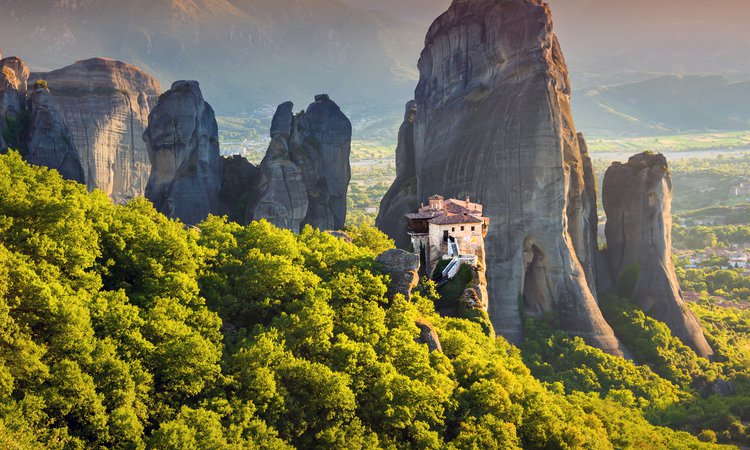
<point x="320" y="145"/>
<point x="403" y="268"/>
<point x="638" y="200"/>
<point x="282" y="198"/>
<point x="305" y="174"/>
<point x="402" y="197"/>
<point x="183" y="146"/>
<point x="428" y="336"/>
<point x="14" y="76"/>
<point x="106" y="105"/>
<point x="475" y="295"/>
<point x="493" y="122"/>
<point x="50" y="143"/>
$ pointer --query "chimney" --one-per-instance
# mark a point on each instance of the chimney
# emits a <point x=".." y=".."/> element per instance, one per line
<point x="468" y="200"/>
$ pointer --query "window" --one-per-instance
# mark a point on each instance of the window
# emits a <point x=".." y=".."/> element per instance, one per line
<point x="462" y="228"/>
<point x="453" y="229"/>
<point x="473" y="228"/>
<point x="445" y="235"/>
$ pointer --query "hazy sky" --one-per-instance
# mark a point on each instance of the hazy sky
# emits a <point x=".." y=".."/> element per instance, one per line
<point x="652" y="35"/>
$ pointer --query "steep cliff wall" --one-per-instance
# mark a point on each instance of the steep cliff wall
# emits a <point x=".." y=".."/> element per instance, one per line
<point x="401" y="198"/>
<point x="106" y="105"/>
<point x="493" y="122"/>
<point x="50" y="143"/>
<point x="14" y="76"/>
<point x="183" y="146"/>
<point x="306" y="172"/>
<point x="638" y="202"/>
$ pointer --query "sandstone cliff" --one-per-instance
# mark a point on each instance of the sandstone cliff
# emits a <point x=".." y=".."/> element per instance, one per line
<point x="493" y="122"/>
<point x="106" y="105"/>
<point x="306" y="172"/>
<point x="638" y="201"/>
<point x="50" y="143"/>
<point x="183" y="147"/>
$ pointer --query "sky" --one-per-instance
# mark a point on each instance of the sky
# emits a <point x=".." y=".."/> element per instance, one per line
<point x="706" y="36"/>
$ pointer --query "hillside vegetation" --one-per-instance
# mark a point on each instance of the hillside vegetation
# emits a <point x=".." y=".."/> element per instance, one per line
<point x="121" y="329"/>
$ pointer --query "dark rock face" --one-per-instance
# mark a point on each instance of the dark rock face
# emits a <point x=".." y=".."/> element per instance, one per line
<point x="281" y="125"/>
<point x="403" y="268"/>
<point x="106" y="105"/>
<point x="239" y="186"/>
<point x="493" y="122"/>
<point x="320" y="145"/>
<point x="50" y="143"/>
<point x="638" y="202"/>
<point x="282" y="197"/>
<point x="14" y="76"/>
<point x="183" y="146"/>
<point x="401" y="198"/>
<point x="306" y="172"/>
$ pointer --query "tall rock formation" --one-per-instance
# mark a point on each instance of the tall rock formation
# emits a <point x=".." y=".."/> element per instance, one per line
<point x="493" y="122"/>
<point x="638" y="202"/>
<point x="321" y="145"/>
<point x="50" y="143"/>
<point x="183" y="146"/>
<point x="14" y="76"/>
<point x="106" y="105"/>
<point x="402" y="195"/>
<point x="282" y="197"/>
<point x="306" y="172"/>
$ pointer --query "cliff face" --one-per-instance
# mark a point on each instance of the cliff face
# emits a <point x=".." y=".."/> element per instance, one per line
<point x="14" y="76"/>
<point x="282" y="197"/>
<point x="183" y="146"/>
<point x="321" y="145"/>
<point x="638" y="202"/>
<point x="306" y="172"/>
<point x="401" y="198"/>
<point x="106" y="105"/>
<point x="50" y="143"/>
<point x="493" y="122"/>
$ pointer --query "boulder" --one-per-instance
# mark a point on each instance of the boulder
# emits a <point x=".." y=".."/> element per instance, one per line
<point x="50" y="143"/>
<point x="638" y="201"/>
<point x="428" y="336"/>
<point x="183" y="147"/>
<point x="106" y="105"/>
<point x="494" y="123"/>
<point x="403" y="268"/>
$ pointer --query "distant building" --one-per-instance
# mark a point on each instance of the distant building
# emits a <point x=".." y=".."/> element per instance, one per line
<point x="447" y="227"/>
<point x="739" y="261"/>
<point x="741" y="190"/>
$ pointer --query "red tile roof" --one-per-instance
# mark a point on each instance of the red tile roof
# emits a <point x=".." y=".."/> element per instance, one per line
<point x="457" y="219"/>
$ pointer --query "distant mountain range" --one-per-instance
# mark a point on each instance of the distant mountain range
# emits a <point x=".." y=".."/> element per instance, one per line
<point x="664" y="105"/>
<point x="250" y="55"/>
<point x="245" y="53"/>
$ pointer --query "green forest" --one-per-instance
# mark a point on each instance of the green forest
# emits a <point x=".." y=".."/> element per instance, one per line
<point x="122" y="329"/>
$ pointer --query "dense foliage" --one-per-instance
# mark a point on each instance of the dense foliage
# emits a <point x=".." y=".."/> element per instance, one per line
<point x="122" y="329"/>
